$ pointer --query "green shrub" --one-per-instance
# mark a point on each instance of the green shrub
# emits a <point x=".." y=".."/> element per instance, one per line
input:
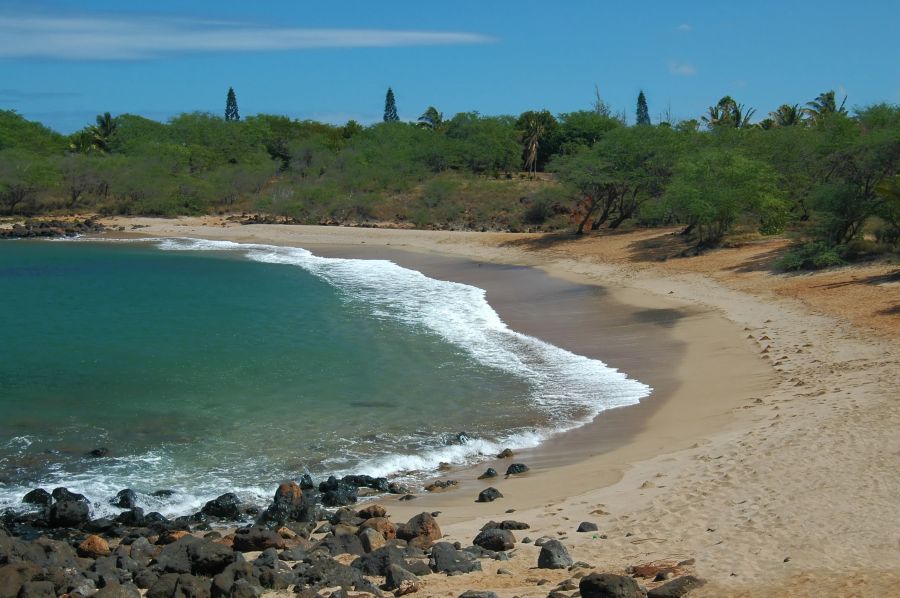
<point x="810" y="256"/>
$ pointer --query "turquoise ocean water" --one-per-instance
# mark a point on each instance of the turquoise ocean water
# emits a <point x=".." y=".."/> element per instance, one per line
<point x="207" y="367"/>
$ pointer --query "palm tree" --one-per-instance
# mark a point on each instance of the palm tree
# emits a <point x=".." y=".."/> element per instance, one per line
<point x="103" y="131"/>
<point x="824" y="106"/>
<point x="728" y="113"/>
<point x="535" y="126"/>
<point x="432" y="119"/>
<point x="83" y="141"/>
<point x="787" y="115"/>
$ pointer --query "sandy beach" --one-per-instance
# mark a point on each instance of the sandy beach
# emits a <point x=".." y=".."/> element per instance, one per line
<point x="767" y="455"/>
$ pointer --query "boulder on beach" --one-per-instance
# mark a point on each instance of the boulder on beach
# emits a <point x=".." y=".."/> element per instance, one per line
<point x="125" y="499"/>
<point x="554" y="556"/>
<point x="490" y="472"/>
<point x="495" y="539"/>
<point x="516" y="468"/>
<point x="38" y="496"/>
<point x="489" y="495"/>
<point x="445" y="558"/>
<point x="609" y="585"/>
<point x="69" y="513"/>
<point x="226" y="506"/>
<point x="587" y="526"/>
<point x="422" y="530"/>
<point x="93" y="547"/>
<point x="382" y="525"/>
<point x="677" y="587"/>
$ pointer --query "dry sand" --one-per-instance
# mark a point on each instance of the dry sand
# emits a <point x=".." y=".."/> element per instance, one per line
<point x="769" y="452"/>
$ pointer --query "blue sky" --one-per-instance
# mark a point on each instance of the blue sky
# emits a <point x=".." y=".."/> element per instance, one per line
<point x="63" y="62"/>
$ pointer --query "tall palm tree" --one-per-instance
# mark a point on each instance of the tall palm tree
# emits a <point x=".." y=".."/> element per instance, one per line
<point x="728" y="113"/>
<point x="103" y="131"/>
<point x="824" y="106"/>
<point x="787" y="115"/>
<point x="432" y="119"/>
<point x="534" y="130"/>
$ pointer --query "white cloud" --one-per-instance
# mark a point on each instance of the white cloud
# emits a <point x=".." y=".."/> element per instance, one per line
<point x="101" y="37"/>
<point x="682" y="69"/>
<point x="685" y="28"/>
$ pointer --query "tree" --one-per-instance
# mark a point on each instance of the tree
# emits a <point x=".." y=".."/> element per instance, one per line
<point x="643" y="113"/>
<point x="727" y="113"/>
<point x="536" y="128"/>
<point x="100" y="135"/>
<point x="23" y="175"/>
<point x="711" y="189"/>
<point x="857" y="167"/>
<point x="612" y="179"/>
<point x="432" y="119"/>
<point x="231" y="106"/>
<point x="390" y="107"/>
<point x="787" y="115"/>
<point x="823" y="107"/>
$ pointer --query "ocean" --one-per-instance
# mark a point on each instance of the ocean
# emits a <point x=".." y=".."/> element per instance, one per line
<point x="205" y="367"/>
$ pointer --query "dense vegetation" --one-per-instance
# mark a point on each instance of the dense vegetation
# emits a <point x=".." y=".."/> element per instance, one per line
<point x="828" y="175"/>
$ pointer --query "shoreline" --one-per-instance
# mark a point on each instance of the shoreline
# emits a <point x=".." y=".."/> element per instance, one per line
<point x="789" y="492"/>
<point x="644" y="335"/>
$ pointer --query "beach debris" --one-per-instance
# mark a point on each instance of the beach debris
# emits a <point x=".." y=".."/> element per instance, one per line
<point x="647" y="485"/>
<point x="587" y="526"/>
<point x="490" y="472"/>
<point x="495" y="539"/>
<point x="609" y="585"/>
<point x="516" y="468"/>
<point x="478" y="594"/>
<point x="554" y="556"/>
<point x="489" y="495"/>
<point x="676" y="588"/>
<point x="505" y="454"/>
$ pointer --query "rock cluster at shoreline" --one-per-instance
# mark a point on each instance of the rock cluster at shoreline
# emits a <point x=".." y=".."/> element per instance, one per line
<point x="294" y="544"/>
<point x="33" y="229"/>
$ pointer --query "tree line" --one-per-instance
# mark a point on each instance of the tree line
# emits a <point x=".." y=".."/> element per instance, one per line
<point x="824" y="172"/>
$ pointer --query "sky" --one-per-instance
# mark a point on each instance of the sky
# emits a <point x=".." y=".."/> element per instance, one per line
<point x="63" y="62"/>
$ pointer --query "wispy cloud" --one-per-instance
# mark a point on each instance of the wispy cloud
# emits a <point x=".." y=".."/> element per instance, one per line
<point x="106" y="37"/>
<point x="19" y="95"/>
<point x="684" y="28"/>
<point x="682" y="69"/>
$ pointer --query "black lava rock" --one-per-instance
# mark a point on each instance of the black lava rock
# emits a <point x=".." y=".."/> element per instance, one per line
<point x="609" y="585"/>
<point x="125" y="499"/>
<point x="489" y="495"/>
<point x="227" y="506"/>
<point x="495" y="539"/>
<point x="554" y="556"/>
<point x="38" y="496"/>
<point x="516" y="468"/>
